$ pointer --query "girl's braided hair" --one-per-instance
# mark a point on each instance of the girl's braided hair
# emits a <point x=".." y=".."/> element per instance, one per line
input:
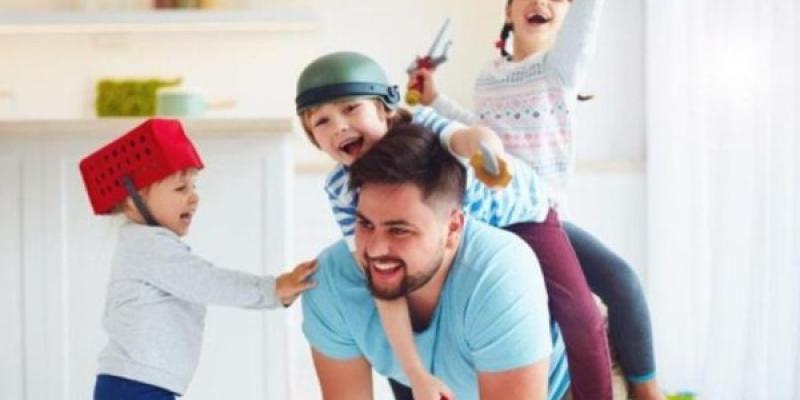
<point x="501" y="44"/>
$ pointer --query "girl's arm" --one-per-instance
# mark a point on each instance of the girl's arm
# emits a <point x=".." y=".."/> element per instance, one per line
<point x="576" y="42"/>
<point x="443" y="105"/>
<point x="397" y="326"/>
<point x="450" y="109"/>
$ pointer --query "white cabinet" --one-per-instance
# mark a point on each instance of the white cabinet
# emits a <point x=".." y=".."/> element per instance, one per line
<point x="54" y="256"/>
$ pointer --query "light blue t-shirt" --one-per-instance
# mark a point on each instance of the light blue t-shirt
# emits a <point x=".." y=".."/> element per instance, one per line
<point x="491" y="316"/>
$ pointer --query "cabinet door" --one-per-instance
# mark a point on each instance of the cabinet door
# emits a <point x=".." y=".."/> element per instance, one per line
<point x="11" y="279"/>
<point x="242" y="223"/>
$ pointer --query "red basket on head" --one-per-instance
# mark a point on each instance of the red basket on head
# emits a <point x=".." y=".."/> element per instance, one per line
<point x="150" y="152"/>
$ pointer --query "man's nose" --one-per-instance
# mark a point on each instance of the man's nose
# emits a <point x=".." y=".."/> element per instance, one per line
<point x="376" y="246"/>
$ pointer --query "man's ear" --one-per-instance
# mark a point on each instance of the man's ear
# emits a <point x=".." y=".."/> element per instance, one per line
<point x="455" y="225"/>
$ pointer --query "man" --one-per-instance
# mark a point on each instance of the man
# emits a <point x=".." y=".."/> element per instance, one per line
<point x="475" y="295"/>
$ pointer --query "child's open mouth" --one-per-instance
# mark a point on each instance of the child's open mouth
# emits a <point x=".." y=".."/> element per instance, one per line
<point x="534" y="18"/>
<point x="186" y="218"/>
<point x="352" y="146"/>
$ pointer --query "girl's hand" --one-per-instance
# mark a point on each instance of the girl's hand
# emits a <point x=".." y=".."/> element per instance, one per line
<point x="289" y="285"/>
<point x="429" y="91"/>
<point x="425" y="386"/>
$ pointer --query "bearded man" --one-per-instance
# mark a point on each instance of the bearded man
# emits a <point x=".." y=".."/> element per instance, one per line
<point x="477" y="302"/>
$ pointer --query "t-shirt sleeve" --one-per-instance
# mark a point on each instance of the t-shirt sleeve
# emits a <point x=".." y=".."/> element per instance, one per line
<point x="507" y="323"/>
<point x="324" y="325"/>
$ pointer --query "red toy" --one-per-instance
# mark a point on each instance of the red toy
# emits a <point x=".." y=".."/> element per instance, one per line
<point x="150" y="152"/>
<point x="436" y="56"/>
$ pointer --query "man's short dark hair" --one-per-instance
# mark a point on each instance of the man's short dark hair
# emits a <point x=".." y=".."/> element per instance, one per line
<point x="411" y="153"/>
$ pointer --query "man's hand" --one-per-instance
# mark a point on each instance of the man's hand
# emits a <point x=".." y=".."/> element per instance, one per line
<point x="289" y="285"/>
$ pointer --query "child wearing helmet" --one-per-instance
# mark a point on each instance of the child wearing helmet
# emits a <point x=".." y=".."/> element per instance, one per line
<point x="158" y="290"/>
<point x="346" y="105"/>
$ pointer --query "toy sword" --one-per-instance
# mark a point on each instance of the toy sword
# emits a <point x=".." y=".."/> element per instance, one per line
<point x="494" y="172"/>
<point x="489" y="160"/>
<point x="436" y="56"/>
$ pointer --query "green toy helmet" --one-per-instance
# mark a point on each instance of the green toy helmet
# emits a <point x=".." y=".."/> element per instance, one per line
<point x="341" y="75"/>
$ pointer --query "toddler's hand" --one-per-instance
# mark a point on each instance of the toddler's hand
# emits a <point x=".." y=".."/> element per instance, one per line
<point x="425" y="386"/>
<point x="289" y="285"/>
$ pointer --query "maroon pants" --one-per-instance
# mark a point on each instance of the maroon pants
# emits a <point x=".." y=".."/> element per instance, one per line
<point x="572" y="307"/>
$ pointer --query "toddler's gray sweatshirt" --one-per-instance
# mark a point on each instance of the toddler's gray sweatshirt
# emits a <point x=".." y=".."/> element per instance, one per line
<point x="156" y="306"/>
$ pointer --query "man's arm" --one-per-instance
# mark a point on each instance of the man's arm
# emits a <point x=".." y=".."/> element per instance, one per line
<point x="528" y="382"/>
<point x="344" y="379"/>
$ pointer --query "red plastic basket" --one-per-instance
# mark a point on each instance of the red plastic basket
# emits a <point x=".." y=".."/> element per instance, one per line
<point x="150" y="152"/>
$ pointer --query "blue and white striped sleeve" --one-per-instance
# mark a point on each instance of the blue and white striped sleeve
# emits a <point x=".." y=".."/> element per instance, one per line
<point x="343" y="203"/>
<point x="442" y="127"/>
<point x="524" y="199"/>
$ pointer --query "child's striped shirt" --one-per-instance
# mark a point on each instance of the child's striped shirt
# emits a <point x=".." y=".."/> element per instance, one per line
<point x="523" y="200"/>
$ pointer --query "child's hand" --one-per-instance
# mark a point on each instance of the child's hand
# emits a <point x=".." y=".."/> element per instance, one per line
<point x="478" y="136"/>
<point x="425" y="386"/>
<point x="289" y="285"/>
<point x="429" y="91"/>
<point x="467" y="141"/>
<point x="493" y="181"/>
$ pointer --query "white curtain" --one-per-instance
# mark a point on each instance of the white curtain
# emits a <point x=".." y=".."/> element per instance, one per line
<point x="723" y="187"/>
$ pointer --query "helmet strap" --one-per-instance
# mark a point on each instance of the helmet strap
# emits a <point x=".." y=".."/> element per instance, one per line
<point x="138" y="201"/>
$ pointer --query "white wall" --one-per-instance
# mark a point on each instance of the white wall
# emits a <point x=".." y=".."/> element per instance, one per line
<point x="52" y="76"/>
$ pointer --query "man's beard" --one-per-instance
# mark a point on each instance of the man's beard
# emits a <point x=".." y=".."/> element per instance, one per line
<point x="407" y="284"/>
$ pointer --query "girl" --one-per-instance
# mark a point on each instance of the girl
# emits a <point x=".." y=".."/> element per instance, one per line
<point x="527" y="97"/>
<point x="158" y="290"/>
<point x="346" y="105"/>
